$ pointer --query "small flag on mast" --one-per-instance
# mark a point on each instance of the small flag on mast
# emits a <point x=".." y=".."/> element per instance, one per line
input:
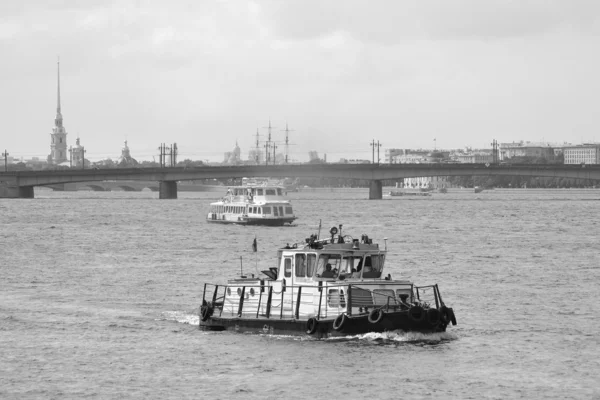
<point x="254" y="246"/>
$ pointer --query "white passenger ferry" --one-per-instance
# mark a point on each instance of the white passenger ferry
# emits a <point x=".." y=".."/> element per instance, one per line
<point x="260" y="204"/>
<point x="324" y="287"/>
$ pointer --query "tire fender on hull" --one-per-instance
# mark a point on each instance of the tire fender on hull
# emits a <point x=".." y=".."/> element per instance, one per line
<point x="375" y="316"/>
<point x="311" y="325"/>
<point x="339" y="322"/>
<point x="416" y="313"/>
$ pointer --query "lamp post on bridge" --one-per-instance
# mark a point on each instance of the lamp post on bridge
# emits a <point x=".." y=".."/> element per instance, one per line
<point x="495" y="154"/>
<point x="378" y="145"/>
<point x="82" y="157"/>
<point x="5" y="155"/>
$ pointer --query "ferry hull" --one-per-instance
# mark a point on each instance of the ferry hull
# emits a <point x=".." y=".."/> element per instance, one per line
<point x="252" y="221"/>
<point x="324" y="328"/>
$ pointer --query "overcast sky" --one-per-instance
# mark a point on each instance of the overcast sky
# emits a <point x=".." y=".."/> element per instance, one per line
<point x="203" y="74"/>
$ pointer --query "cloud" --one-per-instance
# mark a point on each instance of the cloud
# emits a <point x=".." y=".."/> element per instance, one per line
<point x="398" y="21"/>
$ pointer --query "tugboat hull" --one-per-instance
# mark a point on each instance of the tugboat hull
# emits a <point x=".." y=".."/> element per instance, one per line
<point x="342" y="325"/>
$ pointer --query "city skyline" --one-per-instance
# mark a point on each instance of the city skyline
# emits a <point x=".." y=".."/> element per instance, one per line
<point x="409" y="75"/>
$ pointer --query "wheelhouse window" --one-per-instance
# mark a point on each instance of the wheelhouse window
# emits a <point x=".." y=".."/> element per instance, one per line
<point x="301" y="265"/>
<point x="266" y="210"/>
<point x="287" y="267"/>
<point x="311" y="265"/>
<point x="373" y="265"/>
<point x="351" y="266"/>
<point x="329" y="265"/>
<point x="279" y="192"/>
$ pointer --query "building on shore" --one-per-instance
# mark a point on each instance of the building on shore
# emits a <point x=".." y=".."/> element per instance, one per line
<point x="77" y="154"/>
<point x="125" y="160"/>
<point x="58" y="137"/>
<point x="526" y="149"/>
<point x="587" y="153"/>
<point x="421" y="156"/>
<point x="233" y="157"/>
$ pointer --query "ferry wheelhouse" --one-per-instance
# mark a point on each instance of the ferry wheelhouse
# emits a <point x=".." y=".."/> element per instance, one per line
<point x="323" y="288"/>
<point x="253" y="205"/>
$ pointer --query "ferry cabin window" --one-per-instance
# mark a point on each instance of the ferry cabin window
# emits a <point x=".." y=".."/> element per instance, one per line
<point x="281" y="211"/>
<point x="334" y="260"/>
<point x="301" y="265"/>
<point x="279" y="192"/>
<point x="275" y="213"/>
<point x="266" y="210"/>
<point x="259" y="192"/>
<point x="270" y="192"/>
<point x="288" y="210"/>
<point x="287" y="267"/>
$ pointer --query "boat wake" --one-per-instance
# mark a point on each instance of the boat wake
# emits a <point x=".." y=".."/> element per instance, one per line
<point x="389" y="337"/>
<point x="182" y="317"/>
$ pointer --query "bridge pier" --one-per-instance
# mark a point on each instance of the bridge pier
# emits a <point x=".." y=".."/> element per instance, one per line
<point x="167" y="190"/>
<point x="16" y="192"/>
<point x="375" y="190"/>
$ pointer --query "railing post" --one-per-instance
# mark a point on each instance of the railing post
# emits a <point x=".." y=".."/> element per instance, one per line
<point x="298" y="303"/>
<point x="223" y="306"/>
<point x="437" y="290"/>
<point x="320" y="299"/>
<point x="349" y="301"/>
<point x="269" y="298"/>
<point x="259" y="300"/>
<point x="281" y="308"/>
<point x="214" y="299"/>
<point x="241" y="301"/>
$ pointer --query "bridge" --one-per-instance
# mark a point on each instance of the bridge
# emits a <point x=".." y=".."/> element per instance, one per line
<point x="20" y="184"/>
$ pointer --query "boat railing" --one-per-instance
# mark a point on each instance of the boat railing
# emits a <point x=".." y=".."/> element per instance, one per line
<point x="328" y="299"/>
<point x="429" y="295"/>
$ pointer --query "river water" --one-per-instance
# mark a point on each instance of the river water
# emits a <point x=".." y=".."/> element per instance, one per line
<point x="99" y="294"/>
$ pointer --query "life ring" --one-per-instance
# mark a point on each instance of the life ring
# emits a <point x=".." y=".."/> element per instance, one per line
<point x="311" y="325"/>
<point x="375" y="315"/>
<point x="433" y="316"/>
<point x="339" y="322"/>
<point x="416" y="313"/>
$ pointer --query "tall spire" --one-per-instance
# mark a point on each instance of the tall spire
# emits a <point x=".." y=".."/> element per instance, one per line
<point x="59" y="119"/>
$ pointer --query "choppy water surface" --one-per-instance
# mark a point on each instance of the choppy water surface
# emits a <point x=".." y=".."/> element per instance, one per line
<point x="99" y="294"/>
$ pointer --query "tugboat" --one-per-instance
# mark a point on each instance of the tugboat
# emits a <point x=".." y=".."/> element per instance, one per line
<point x="253" y="205"/>
<point x="324" y="288"/>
